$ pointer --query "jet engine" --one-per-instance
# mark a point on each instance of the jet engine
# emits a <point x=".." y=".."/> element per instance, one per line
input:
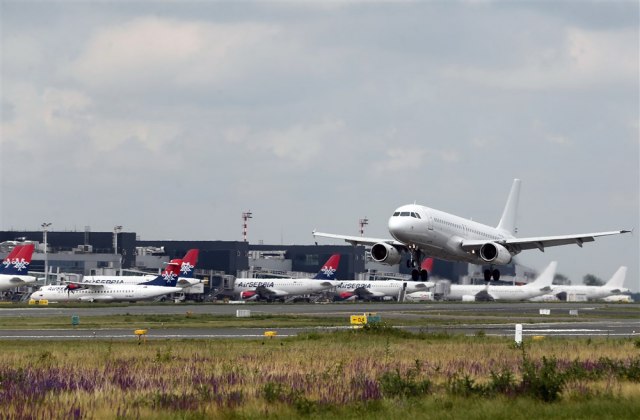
<point x="495" y="253"/>
<point x="385" y="253"/>
<point x="248" y="295"/>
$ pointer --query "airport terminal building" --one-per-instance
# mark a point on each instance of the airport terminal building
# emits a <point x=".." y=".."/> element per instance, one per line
<point x="90" y="253"/>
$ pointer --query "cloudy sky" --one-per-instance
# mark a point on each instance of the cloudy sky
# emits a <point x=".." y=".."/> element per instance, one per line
<point x="171" y="119"/>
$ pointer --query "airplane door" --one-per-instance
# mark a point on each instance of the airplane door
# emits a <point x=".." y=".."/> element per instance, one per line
<point x="429" y="220"/>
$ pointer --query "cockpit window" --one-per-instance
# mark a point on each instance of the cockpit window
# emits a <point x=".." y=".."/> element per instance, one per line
<point x="404" y="213"/>
<point x="396" y="213"/>
<point x="413" y="215"/>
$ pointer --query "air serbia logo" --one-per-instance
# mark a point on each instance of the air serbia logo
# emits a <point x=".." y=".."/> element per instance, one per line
<point x="186" y="268"/>
<point x="328" y="271"/>
<point x="168" y="276"/>
<point x="20" y="264"/>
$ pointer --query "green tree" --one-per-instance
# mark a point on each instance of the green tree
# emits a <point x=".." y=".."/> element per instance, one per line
<point x="591" y="280"/>
<point x="561" y="279"/>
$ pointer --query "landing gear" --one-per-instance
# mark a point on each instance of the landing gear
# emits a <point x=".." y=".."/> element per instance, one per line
<point x="489" y="274"/>
<point x="418" y="273"/>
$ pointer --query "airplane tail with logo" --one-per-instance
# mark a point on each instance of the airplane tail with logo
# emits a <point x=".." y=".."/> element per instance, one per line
<point x="188" y="263"/>
<point x="168" y="278"/>
<point x="328" y="270"/>
<point x="507" y="222"/>
<point x="17" y="262"/>
<point x="617" y="280"/>
<point x="6" y="263"/>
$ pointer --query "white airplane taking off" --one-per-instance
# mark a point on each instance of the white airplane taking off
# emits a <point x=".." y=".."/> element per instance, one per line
<point x="473" y="292"/>
<point x="424" y="231"/>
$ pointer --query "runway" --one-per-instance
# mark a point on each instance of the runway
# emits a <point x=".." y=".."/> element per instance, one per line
<point x="574" y="329"/>
<point x="606" y="324"/>
<point x="332" y="309"/>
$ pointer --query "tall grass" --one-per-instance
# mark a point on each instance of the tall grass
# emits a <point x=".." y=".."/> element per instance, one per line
<point x="346" y="374"/>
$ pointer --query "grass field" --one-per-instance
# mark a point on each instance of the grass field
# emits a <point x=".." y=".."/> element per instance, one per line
<point x="432" y="314"/>
<point x="374" y="373"/>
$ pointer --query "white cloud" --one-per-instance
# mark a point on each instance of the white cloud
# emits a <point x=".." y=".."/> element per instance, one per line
<point x="158" y="52"/>
<point x="583" y="59"/>
<point x="298" y="144"/>
<point x="401" y="160"/>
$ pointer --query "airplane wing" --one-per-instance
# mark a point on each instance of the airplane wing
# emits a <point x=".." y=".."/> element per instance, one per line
<point x="20" y="280"/>
<point x="359" y="240"/>
<point x="424" y="285"/>
<point x="541" y="242"/>
<point x="187" y="282"/>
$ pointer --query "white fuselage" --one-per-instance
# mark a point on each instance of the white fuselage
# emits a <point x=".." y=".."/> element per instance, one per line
<point x="282" y="287"/>
<point x="9" y="281"/>
<point x="591" y="292"/>
<point x="464" y="291"/>
<point x="381" y="288"/>
<point x="439" y="234"/>
<point x="130" y="280"/>
<point x="107" y="293"/>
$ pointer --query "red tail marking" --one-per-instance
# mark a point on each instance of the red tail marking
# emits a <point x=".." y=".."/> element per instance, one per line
<point x="191" y="256"/>
<point x="332" y="262"/>
<point x="26" y="253"/>
<point x="14" y="252"/>
<point x="427" y="264"/>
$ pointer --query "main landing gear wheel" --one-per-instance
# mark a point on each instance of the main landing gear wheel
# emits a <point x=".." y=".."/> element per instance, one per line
<point x="488" y="274"/>
<point x="419" y="275"/>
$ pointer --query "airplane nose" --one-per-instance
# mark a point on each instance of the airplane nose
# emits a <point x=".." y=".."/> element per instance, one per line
<point x="396" y="226"/>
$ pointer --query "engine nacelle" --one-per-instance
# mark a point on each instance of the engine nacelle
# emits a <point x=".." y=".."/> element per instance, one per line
<point x="495" y="253"/>
<point x="248" y="295"/>
<point x="385" y="253"/>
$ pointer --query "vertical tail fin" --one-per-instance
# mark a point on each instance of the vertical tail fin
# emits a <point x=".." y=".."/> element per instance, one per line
<point x="19" y="264"/>
<point x="617" y="280"/>
<point x="188" y="264"/>
<point x="546" y="277"/>
<point x="168" y="278"/>
<point x="6" y="263"/>
<point x="508" y="220"/>
<point x="328" y="270"/>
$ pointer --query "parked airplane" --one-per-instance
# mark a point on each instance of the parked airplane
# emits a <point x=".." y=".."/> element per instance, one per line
<point x="473" y="292"/>
<point x="15" y="266"/>
<point x="424" y="231"/>
<point x="618" y="299"/>
<point x="270" y="289"/>
<point x="612" y="287"/>
<point x="377" y="289"/>
<point x="185" y="268"/>
<point x="163" y="284"/>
